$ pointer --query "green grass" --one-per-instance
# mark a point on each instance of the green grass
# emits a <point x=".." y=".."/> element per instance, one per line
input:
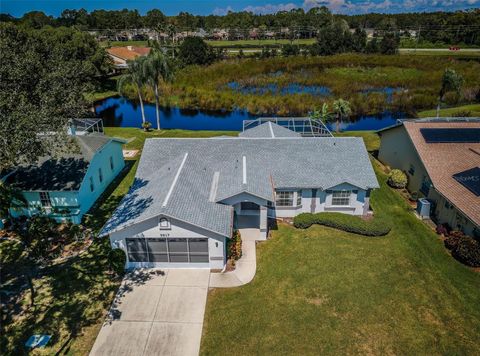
<point x="370" y="138"/>
<point x="474" y="110"/>
<point x="323" y="291"/>
<point x="244" y="43"/>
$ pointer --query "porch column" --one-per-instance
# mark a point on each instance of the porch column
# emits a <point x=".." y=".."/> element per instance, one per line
<point x="263" y="221"/>
<point x="366" y="204"/>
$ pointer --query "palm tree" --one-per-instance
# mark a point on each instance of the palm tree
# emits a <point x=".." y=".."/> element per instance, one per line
<point x="134" y="76"/>
<point x="342" y="110"/>
<point x="157" y="69"/>
<point x="451" y="81"/>
<point x="323" y="115"/>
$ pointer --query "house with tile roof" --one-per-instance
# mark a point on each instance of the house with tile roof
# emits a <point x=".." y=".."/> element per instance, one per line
<point x="66" y="186"/>
<point x="120" y="55"/>
<point x="441" y="158"/>
<point x="189" y="194"/>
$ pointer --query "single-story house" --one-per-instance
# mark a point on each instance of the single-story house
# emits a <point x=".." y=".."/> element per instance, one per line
<point x="189" y="194"/>
<point x="120" y="55"/>
<point x="65" y="188"/>
<point x="441" y="158"/>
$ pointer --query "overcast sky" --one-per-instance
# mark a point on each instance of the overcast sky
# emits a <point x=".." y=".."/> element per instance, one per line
<point x="205" y="7"/>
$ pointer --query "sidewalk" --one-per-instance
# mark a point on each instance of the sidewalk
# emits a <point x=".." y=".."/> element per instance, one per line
<point x="245" y="267"/>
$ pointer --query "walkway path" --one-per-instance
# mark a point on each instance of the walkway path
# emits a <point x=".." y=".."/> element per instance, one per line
<point x="246" y="266"/>
<point x="156" y="312"/>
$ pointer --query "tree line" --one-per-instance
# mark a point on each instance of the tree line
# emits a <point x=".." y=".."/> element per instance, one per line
<point x="447" y="27"/>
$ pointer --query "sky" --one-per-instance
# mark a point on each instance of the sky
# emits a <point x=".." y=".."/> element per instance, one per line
<point x="204" y="7"/>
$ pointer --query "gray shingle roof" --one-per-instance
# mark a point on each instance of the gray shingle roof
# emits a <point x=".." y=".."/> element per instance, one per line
<point x="63" y="173"/>
<point x="270" y="163"/>
<point x="269" y="129"/>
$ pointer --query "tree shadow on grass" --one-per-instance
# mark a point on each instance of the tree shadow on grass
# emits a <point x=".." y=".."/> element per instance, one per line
<point x="71" y="296"/>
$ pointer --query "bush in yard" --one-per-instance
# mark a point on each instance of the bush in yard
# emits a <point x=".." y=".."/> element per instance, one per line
<point x="117" y="259"/>
<point x="442" y="229"/>
<point x="349" y="223"/>
<point x="234" y="246"/>
<point x="467" y="251"/>
<point x="397" y="179"/>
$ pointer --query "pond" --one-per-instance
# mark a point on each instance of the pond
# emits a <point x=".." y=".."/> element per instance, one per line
<point x="122" y="112"/>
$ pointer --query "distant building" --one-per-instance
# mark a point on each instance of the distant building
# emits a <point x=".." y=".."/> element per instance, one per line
<point x="121" y="55"/>
<point x="441" y="158"/>
<point x="66" y="187"/>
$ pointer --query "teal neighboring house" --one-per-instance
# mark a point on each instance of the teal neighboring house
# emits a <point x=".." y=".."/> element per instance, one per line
<point x="65" y="188"/>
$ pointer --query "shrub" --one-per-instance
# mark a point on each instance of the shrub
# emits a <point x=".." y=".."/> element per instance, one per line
<point x="451" y="242"/>
<point x="467" y="251"/>
<point x="117" y="260"/>
<point x="349" y="223"/>
<point x="397" y="179"/>
<point x="234" y="246"/>
<point x="462" y="113"/>
<point x="442" y="229"/>
<point x="146" y="125"/>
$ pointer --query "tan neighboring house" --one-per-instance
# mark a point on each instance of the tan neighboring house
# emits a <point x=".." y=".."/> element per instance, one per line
<point x="441" y="158"/>
<point x="121" y="55"/>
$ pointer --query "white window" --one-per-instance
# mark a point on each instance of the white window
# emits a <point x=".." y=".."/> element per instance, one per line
<point x="341" y="197"/>
<point x="164" y="224"/>
<point x="299" y="198"/>
<point x="111" y="163"/>
<point x="284" y="199"/>
<point x="45" y="199"/>
<point x="92" y="187"/>
<point x="100" y="175"/>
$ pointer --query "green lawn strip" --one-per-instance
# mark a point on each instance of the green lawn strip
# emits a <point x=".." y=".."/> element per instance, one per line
<point x="325" y="291"/>
<point x="260" y="42"/>
<point x="370" y="138"/>
<point x="474" y="110"/>
<point x="136" y="137"/>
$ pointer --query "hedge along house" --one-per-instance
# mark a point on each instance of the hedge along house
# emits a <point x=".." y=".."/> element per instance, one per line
<point x="441" y="158"/>
<point x="189" y="194"/>
<point x="65" y="188"/>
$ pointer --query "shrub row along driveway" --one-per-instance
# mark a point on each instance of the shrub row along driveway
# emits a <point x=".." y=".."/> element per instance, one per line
<point x="156" y="313"/>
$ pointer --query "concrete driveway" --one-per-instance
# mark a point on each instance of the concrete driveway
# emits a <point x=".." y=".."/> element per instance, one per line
<point x="157" y="312"/>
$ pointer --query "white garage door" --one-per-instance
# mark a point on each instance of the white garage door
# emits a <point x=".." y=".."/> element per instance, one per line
<point x="173" y="250"/>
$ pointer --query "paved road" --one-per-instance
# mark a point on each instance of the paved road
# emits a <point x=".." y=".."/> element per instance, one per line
<point x="156" y="313"/>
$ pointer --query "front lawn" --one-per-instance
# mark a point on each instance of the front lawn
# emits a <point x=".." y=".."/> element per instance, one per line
<point x="323" y="291"/>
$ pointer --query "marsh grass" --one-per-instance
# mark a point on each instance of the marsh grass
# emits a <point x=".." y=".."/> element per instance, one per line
<point x="347" y="76"/>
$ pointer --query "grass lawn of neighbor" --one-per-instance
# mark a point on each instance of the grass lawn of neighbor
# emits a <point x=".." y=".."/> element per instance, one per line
<point x="323" y="291"/>
<point x="473" y="109"/>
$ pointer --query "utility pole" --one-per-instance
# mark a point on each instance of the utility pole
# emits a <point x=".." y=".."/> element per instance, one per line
<point x="418" y="38"/>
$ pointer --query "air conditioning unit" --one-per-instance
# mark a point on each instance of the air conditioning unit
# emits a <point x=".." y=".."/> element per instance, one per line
<point x="423" y="208"/>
